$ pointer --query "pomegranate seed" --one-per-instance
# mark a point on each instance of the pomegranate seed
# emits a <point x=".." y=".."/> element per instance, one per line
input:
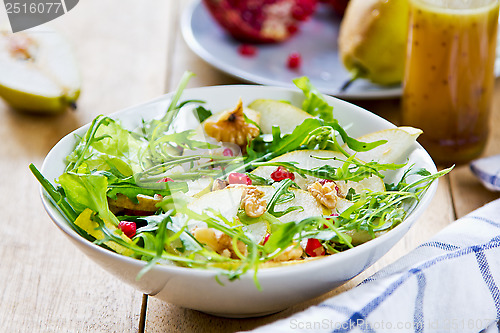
<point x="238" y="178"/>
<point x="281" y="173"/>
<point x="292" y="29"/>
<point x="247" y="50"/>
<point x="329" y="218"/>
<point x="324" y="181"/>
<point x="227" y="152"/>
<point x="314" y="248"/>
<point x="128" y="228"/>
<point x="299" y="14"/>
<point x="294" y="60"/>
<point x="164" y="180"/>
<point x="266" y="239"/>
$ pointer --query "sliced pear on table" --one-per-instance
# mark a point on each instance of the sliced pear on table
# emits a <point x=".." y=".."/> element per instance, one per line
<point x="276" y="113"/>
<point x="399" y="142"/>
<point x="39" y="71"/>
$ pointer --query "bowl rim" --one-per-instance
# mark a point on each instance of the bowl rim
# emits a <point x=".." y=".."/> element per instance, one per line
<point x="263" y="273"/>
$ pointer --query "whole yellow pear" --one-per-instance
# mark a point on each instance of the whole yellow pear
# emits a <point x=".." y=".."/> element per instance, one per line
<point x="372" y="40"/>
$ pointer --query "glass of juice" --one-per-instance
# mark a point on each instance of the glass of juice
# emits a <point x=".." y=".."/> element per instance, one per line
<point x="449" y="75"/>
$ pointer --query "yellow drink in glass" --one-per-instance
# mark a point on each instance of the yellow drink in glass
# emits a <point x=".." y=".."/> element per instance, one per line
<point x="449" y="75"/>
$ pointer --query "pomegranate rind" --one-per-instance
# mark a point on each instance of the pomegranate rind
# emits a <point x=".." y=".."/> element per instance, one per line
<point x="257" y="21"/>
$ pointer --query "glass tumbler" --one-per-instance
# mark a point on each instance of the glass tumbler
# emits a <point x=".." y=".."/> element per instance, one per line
<point x="449" y="75"/>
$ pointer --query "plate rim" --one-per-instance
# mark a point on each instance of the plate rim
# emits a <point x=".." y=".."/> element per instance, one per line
<point x="197" y="48"/>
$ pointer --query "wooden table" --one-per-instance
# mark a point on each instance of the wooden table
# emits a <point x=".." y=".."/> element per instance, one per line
<point x="130" y="52"/>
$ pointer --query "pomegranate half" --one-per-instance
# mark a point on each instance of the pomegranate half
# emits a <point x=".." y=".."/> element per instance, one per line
<point x="261" y="21"/>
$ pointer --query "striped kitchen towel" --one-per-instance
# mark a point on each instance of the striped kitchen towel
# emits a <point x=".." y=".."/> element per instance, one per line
<point x="448" y="284"/>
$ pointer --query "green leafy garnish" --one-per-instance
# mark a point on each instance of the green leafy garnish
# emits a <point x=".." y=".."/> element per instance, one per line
<point x="314" y="103"/>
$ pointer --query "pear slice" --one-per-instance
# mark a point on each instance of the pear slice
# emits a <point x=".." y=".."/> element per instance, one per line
<point x="276" y="113"/>
<point x="39" y="71"/>
<point x="227" y="202"/>
<point x="199" y="187"/>
<point x="399" y="142"/>
<point x="307" y="159"/>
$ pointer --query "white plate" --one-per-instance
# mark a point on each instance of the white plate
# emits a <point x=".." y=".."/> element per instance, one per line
<point x="316" y="42"/>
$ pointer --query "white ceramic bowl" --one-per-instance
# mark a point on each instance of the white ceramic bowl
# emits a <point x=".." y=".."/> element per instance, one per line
<point x="281" y="286"/>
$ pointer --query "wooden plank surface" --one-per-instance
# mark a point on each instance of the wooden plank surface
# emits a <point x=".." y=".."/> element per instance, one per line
<point x="47" y="285"/>
<point x="130" y="52"/>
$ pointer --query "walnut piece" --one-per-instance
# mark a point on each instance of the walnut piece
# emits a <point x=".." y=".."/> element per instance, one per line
<point x="253" y="202"/>
<point x="293" y="252"/>
<point x="219" y="184"/>
<point x="232" y="127"/>
<point x="326" y="194"/>
<point x="219" y="242"/>
<point x="145" y="205"/>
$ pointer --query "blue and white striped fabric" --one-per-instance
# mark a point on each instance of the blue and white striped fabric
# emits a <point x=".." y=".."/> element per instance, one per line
<point x="448" y="284"/>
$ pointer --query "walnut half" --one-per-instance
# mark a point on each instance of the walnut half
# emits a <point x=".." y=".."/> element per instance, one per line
<point x="326" y="194"/>
<point x="253" y="202"/>
<point x="232" y="127"/>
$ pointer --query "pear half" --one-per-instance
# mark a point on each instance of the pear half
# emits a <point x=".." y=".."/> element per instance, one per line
<point x="39" y="71"/>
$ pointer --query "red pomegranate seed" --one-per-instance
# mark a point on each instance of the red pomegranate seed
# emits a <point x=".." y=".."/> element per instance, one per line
<point x="324" y="181"/>
<point x="266" y="239"/>
<point x="281" y="173"/>
<point x="247" y="50"/>
<point x="227" y="152"/>
<point x="292" y="29"/>
<point x="299" y="14"/>
<point x="329" y="218"/>
<point x="128" y="228"/>
<point x="314" y="248"/>
<point x="164" y="180"/>
<point x="294" y="60"/>
<point x="238" y="178"/>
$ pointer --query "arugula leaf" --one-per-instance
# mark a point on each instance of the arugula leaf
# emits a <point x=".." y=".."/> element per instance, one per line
<point x="148" y="127"/>
<point x="313" y="133"/>
<point x="282" y="194"/>
<point x="315" y="103"/>
<point x="131" y="190"/>
<point x="58" y="198"/>
<point x="105" y="146"/>
<point x="87" y="191"/>
<point x="350" y="170"/>
<point x="260" y="147"/>
<point x="201" y="113"/>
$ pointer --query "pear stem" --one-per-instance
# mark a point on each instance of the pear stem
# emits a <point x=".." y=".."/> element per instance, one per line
<point x="357" y="73"/>
<point x="347" y="84"/>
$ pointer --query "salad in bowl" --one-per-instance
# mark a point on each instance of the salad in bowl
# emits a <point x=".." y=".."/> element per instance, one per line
<point x="222" y="199"/>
